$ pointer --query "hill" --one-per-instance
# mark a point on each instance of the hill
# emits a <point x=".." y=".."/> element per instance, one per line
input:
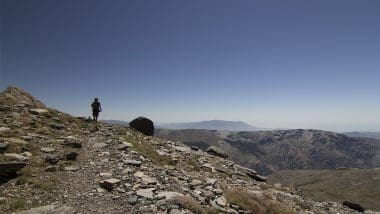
<point x="360" y="185"/>
<point x="211" y="125"/>
<point x="270" y="151"/>
<point x="117" y="122"/>
<point x="51" y="162"/>
<point x="375" y="135"/>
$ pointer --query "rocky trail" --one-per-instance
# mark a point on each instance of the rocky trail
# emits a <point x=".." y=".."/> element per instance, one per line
<point x="51" y="162"/>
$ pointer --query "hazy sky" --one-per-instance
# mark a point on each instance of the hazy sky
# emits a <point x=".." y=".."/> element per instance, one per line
<point x="283" y="63"/>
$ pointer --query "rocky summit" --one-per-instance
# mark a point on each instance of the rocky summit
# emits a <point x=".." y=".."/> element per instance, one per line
<point x="51" y="162"/>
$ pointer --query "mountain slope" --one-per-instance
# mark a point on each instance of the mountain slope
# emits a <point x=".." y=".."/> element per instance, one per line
<point x="74" y="165"/>
<point x="211" y="125"/>
<point x="375" y="135"/>
<point x="269" y="151"/>
<point x="360" y="185"/>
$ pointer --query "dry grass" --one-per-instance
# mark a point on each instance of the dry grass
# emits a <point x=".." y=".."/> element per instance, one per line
<point x="263" y="204"/>
<point x="187" y="202"/>
<point x="148" y="151"/>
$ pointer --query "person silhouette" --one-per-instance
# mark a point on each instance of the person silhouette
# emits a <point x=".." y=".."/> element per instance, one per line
<point x="96" y="108"/>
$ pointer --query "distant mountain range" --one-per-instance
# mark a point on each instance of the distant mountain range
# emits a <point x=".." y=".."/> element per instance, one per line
<point x="269" y="151"/>
<point x="211" y="125"/>
<point x="363" y="134"/>
<point x="117" y="122"/>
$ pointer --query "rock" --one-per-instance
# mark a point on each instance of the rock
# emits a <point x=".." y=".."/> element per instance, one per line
<point x="258" y="177"/>
<point x="57" y="126"/>
<point x="132" y="162"/>
<point x="145" y="193"/>
<point x="9" y="169"/>
<point x="168" y="195"/>
<point x="49" y="209"/>
<point x="71" y="156"/>
<point x="17" y="157"/>
<point x="72" y="142"/>
<point x="195" y="182"/>
<point x="38" y="111"/>
<point x="353" y="206"/>
<point x="4" y="129"/>
<point x="143" y="125"/>
<point x="221" y="201"/>
<point x="182" y="148"/>
<point x="3" y="147"/>
<point x="217" y="191"/>
<point x="47" y="149"/>
<point x="105" y="174"/>
<point x="216" y="151"/>
<point x="51" y="169"/>
<point x="132" y="200"/>
<point x="20" y="96"/>
<point x="149" y="180"/>
<point x="124" y="146"/>
<point x="109" y="184"/>
<point x="71" y="168"/>
<point x="27" y="154"/>
<point x="52" y="159"/>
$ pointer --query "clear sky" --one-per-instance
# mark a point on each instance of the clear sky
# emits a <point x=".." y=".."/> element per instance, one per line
<point x="271" y="63"/>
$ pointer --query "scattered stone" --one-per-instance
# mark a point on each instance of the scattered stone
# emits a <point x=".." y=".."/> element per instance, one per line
<point x="182" y="148"/>
<point x="52" y="159"/>
<point x="57" y="126"/>
<point x="168" y="195"/>
<point x="27" y="154"/>
<point x="4" y="129"/>
<point x="49" y="209"/>
<point x="71" y="156"/>
<point x="17" y="157"/>
<point x="143" y="125"/>
<point x="353" y="206"/>
<point x="132" y="200"/>
<point x="213" y="150"/>
<point x="258" y="177"/>
<point x="51" y="169"/>
<point x="110" y="184"/>
<point x="221" y="201"/>
<point x="105" y="174"/>
<point x="3" y="147"/>
<point x="145" y="193"/>
<point x="47" y="149"/>
<point x="132" y="162"/>
<point x="71" y="168"/>
<point x="38" y="111"/>
<point x="124" y="146"/>
<point x="73" y="144"/>
<point x="149" y="180"/>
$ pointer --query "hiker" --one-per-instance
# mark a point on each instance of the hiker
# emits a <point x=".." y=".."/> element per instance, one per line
<point x="96" y="108"/>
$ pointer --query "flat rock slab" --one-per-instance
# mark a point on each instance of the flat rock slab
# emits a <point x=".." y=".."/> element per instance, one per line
<point x="47" y="149"/>
<point x="11" y="168"/>
<point x="132" y="162"/>
<point x="145" y="193"/>
<point x="4" y="129"/>
<point x="71" y="168"/>
<point x="168" y="195"/>
<point x="38" y="111"/>
<point x="213" y="150"/>
<point x="17" y="157"/>
<point x="109" y="184"/>
<point x="49" y="209"/>
<point x="258" y="177"/>
<point x="182" y="148"/>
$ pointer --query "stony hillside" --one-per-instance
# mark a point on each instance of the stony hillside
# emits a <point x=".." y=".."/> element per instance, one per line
<point x="51" y="162"/>
<point x="269" y="151"/>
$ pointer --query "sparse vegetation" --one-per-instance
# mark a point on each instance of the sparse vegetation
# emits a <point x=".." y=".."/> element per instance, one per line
<point x="18" y="204"/>
<point x="148" y="151"/>
<point x="263" y="203"/>
<point x="188" y="203"/>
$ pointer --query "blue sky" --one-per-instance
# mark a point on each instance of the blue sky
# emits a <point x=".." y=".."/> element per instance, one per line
<point x="272" y="63"/>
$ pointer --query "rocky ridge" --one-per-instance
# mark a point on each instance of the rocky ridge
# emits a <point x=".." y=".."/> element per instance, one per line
<point x="72" y="165"/>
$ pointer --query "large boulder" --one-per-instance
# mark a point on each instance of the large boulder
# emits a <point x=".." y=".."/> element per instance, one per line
<point x="217" y="151"/>
<point x="143" y="125"/>
<point x="9" y="169"/>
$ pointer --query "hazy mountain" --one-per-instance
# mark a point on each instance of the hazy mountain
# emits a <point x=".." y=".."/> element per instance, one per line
<point x="363" y="134"/>
<point x="211" y="125"/>
<point x="117" y="122"/>
<point x="269" y="151"/>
